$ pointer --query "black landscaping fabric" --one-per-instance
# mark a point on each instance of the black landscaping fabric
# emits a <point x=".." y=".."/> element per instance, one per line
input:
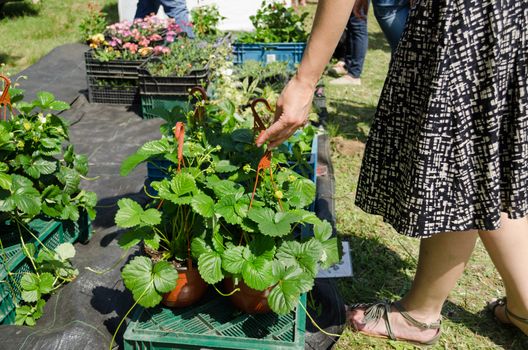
<point x="85" y="313"/>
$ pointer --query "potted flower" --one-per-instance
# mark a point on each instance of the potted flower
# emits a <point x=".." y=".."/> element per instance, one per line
<point x="279" y="35"/>
<point x="116" y="54"/>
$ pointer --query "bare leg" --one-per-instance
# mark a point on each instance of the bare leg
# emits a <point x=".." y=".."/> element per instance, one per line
<point x="442" y="260"/>
<point x="508" y="249"/>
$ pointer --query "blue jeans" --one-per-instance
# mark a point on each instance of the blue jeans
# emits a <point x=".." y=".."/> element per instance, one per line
<point x="392" y="17"/>
<point x="356" y="45"/>
<point x="176" y="9"/>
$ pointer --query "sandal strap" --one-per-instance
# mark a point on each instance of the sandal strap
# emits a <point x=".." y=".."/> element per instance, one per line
<point x="375" y="312"/>
<point x="415" y="322"/>
<point x="510" y="314"/>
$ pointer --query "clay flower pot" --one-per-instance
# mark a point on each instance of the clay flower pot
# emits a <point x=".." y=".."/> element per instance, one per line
<point x="248" y="300"/>
<point x="189" y="289"/>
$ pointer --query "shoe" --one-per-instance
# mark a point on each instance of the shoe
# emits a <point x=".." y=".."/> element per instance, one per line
<point x="492" y="306"/>
<point x="346" y="80"/>
<point x="375" y="312"/>
<point x="338" y="69"/>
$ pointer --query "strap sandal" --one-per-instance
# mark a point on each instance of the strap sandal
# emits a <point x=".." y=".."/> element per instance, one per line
<point x="492" y="306"/>
<point x="378" y="311"/>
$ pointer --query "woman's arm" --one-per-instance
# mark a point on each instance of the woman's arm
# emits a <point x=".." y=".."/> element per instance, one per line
<point x="295" y="100"/>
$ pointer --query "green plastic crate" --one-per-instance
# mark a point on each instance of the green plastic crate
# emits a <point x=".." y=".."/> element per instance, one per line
<point x="152" y="102"/>
<point x="215" y="324"/>
<point x="51" y="233"/>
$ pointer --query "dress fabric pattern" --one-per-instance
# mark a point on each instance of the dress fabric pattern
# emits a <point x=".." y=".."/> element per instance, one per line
<point x="448" y="149"/>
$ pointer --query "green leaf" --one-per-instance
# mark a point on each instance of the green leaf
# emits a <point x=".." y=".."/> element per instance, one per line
<point x="46" y="283"/>
<point x="130" y="238"/>
<point x="26" y="199"/>
<point x="322" y="230"/>
<point x="178" y="190"/>
<point x="5" y="181"/>
<point x="203" y="205"/>
<point x="70" y="212"/>
<point x="199" y="247"/>
<point x="70" y="179"/>
<point x="210" y="267"/>
<point x="29" y="250"/>
<point x="44" y="99"/>
<point x="332" y="253"/>
<point x="155" y="147"/>
<point x="285" y="295"/>
<point x="41" y="166"/>
<point x="80" y="163"/>
<point x="263" y="246"/>
<point x="131" y="162"/>
<point x="165" y="276"/>
<point x="301" y="193"/>
<point x="271" y="223"/>
<point x="39" y="309"/>
<point x="304" y="255"/>
<point x="65" y="251"/>
<point x="139" y="276"/>
<point x="257" y="273"/>
<point x="225" y="166"/>
<point x="227" y="208"/>
<point x="232" y="260"/>
<point x="131" y="214"/>
<point x="22" y="314"/>
<point x="59" y="106"/>
<point x="51" y="144"/>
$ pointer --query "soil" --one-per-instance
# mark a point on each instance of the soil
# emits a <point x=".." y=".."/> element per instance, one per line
<point x="347" y="147"/>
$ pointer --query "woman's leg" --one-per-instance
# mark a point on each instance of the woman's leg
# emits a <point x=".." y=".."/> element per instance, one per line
<point x="508" y="249"/>
<point x="441" y="262"/>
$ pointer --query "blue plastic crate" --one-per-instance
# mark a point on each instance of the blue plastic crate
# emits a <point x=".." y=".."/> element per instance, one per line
<point x="269" y="52"/>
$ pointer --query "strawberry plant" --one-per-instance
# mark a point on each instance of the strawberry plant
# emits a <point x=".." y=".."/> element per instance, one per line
<point x="37" y="175"/>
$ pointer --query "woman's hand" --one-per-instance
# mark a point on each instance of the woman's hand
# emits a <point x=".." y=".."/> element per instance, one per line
<point x="293" y="107"/>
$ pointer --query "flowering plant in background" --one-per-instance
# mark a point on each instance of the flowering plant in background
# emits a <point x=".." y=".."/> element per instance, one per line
<point x="135" y="40"/>
<point x="182" y="57"/>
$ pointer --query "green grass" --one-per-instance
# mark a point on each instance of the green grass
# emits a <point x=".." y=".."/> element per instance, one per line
<point x="384" y="262"/>
<point x="29" y="31"/>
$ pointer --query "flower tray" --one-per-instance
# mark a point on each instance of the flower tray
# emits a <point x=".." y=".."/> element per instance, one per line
<point x="170" y="85"/>
<point x="269" y="52"/>
<point x="112" y="69"/>
<point x="215" y="324"/>
<point x="14" y="263"/>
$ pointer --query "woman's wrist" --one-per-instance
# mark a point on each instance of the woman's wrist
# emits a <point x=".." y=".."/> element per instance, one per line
<point x="306" y="81"/>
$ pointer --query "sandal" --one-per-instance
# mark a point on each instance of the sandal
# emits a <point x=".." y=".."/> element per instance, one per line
<point x="376" y="312"/>
<point x="509" y="315"/>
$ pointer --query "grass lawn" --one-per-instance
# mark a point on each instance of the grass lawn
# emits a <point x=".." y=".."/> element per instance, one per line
<point x="384" y="262"/>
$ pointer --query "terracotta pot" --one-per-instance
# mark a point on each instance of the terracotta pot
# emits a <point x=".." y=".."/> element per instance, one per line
<point x="189" y="288"/>
<point x="248" y="300"/>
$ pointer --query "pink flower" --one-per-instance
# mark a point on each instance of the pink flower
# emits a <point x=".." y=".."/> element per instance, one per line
<point x="169" y="38"/>
<point x="155" y="37"/>
<point x="144" y="42"/>
<point x="133" y="48"/>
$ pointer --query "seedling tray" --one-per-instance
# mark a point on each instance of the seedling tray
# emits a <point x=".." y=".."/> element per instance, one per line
<point x="215" y="324"/>
<point x="170" y="85"/>
<point x="269" y="52"/>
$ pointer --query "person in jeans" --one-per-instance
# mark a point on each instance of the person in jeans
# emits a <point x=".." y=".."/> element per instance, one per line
<point x="176" y="9"/>
<point x="355" y="49"/>
<point x="392" y="17"/>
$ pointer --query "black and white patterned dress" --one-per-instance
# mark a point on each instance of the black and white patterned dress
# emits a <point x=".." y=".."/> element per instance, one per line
<point x="448" y="149"/>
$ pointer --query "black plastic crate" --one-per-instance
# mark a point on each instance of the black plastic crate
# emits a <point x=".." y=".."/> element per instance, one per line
<point x="113" y="69"/>
<point x="171" y="85"/>
<point x="99" y="92"/>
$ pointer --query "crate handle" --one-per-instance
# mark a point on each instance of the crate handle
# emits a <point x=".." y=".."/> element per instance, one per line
<point x="5" y="98"/>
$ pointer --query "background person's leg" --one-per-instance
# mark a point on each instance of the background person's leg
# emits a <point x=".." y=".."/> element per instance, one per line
<point x="357" y="45"/>
<point x="392" y="17"/>
<point x="508" y="249"/>
<point x="146" y="7"/>
<point x="441" y="262"/>
<point x="177" y="9"/>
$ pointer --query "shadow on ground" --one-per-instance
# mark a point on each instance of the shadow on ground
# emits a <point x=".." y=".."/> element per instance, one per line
<point x="351" y="119"/>
<point x="377" y="41"/>
<point x="16" y="9"/>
